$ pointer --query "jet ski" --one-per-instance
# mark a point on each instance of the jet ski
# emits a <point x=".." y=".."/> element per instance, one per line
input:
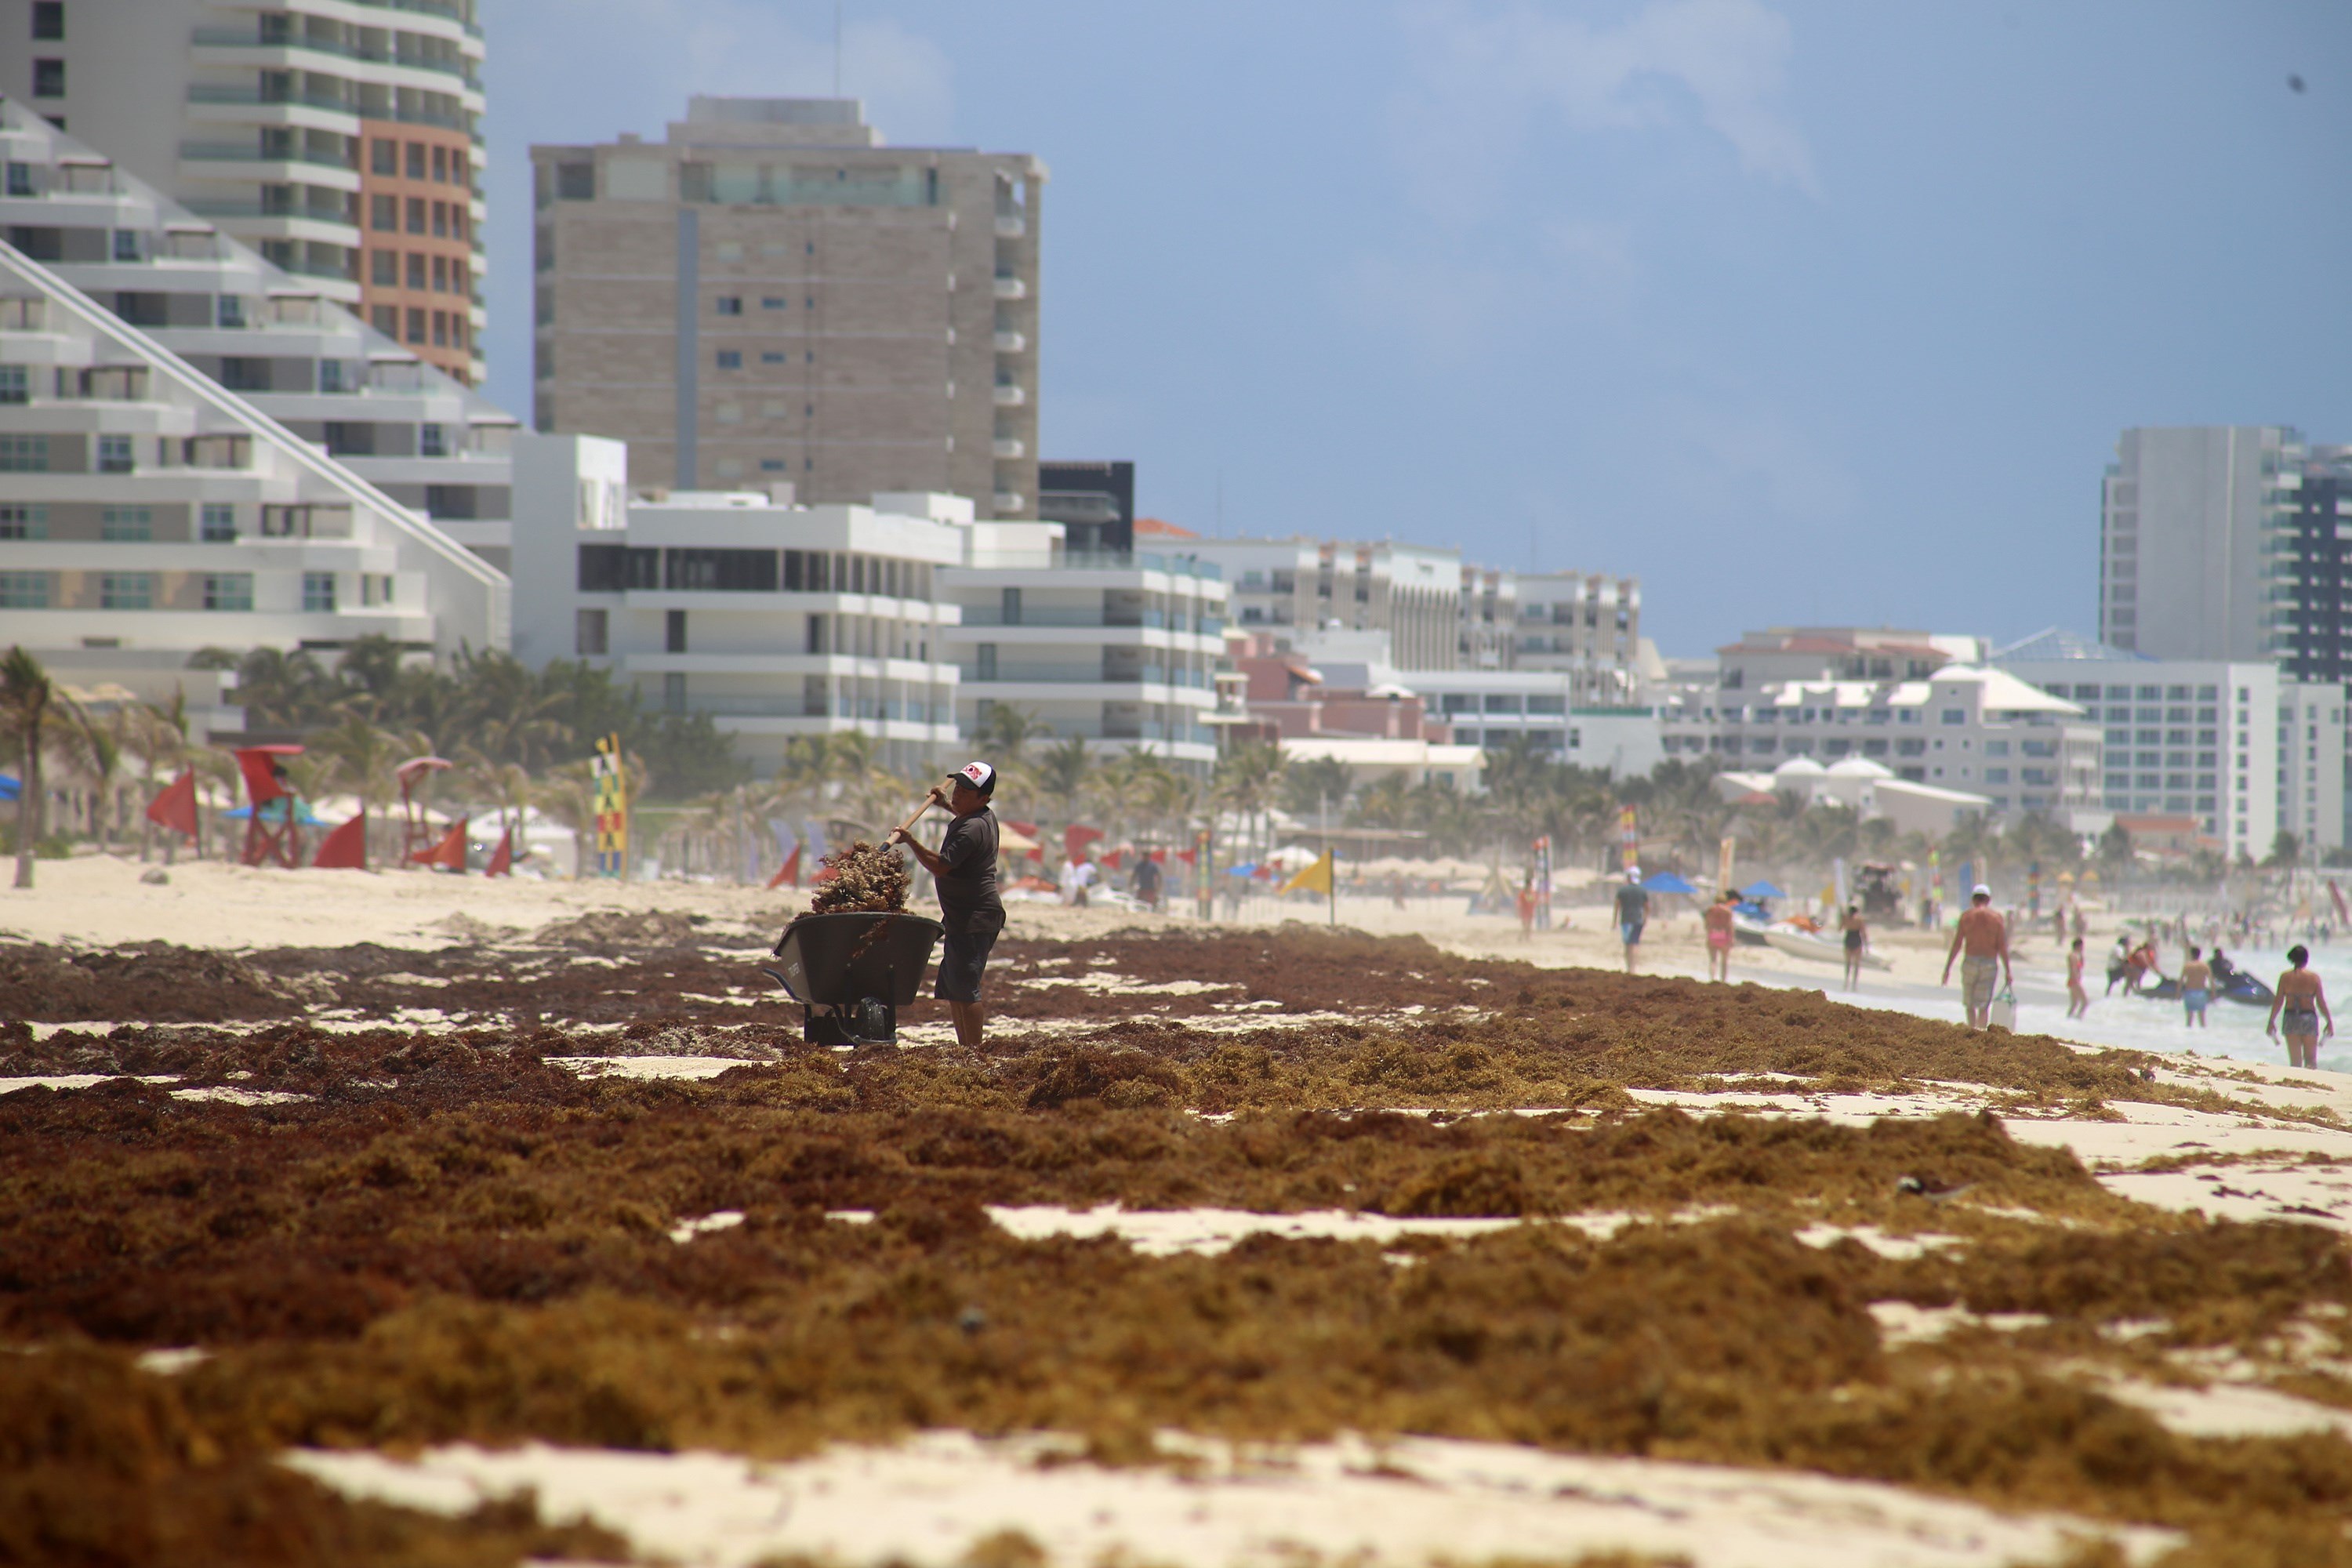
<point x="2240" y="987"/>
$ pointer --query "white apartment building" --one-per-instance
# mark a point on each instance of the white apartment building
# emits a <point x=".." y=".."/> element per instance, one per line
<point x="146" y="512"/>
<point x="281" y="342"/>
<point x="1586" y="625"/>
<point x="1490" y="619"/>
<point x="1966" y="728"/>
<point x="776" y="620"/>
<point x="1413" y="593"/>
<point x="1118" y="648"/>
<point x="2236" y="746"/>
<point x="340" y="138"/>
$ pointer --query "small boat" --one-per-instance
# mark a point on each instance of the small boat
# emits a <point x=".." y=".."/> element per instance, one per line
<point x="1802" y="943"/>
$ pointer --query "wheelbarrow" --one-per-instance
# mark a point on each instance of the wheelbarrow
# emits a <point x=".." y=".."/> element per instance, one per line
<point x="852" y="972"/>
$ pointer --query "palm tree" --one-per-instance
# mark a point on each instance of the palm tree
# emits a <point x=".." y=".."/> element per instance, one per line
<point x="27" y="697"/>
<point x="1002" y="735"/>
<point x="1316" y="790"/>
<point x="158" y="738"/>
<point x="90" y="740"/>
<point x="1246" y="780"/>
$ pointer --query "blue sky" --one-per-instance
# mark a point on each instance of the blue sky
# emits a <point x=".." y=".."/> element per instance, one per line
<point x="1798" y="311"/>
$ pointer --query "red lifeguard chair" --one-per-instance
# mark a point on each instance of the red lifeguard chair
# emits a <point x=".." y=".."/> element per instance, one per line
<point x="269" y="841"/>
<point x="414" y="775"/>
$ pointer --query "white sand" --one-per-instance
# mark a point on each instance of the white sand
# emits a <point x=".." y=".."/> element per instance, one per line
<point x="1410" y="1502"/>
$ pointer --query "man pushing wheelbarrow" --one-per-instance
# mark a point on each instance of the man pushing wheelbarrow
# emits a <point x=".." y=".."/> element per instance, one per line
<point x="963" y="868"/>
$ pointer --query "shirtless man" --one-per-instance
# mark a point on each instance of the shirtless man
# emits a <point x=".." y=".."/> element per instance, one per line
<point x="1718" y="938"/>
<point x="1982" y="933"/>
<point x="2196" y="989"/>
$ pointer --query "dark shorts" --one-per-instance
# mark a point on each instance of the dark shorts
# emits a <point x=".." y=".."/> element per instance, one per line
<point x="961" y="960"/>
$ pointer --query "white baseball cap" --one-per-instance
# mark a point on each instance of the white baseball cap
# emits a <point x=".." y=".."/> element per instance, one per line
<point x="1980" y="891"/>
<point x="980" y="775"/>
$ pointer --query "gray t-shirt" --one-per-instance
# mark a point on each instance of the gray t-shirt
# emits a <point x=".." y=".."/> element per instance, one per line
<point x="1632" y="904"/>
<point x="967" y="901"/>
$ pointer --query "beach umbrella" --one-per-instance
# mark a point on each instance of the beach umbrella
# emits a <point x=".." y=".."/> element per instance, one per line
<point x="9" y="788"/>
<point x="1762" y="889"/>
<point x="1247" y="869"/>
<point x="1665" y="882"/>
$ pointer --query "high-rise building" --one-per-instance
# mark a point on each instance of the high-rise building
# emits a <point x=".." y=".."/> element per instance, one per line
<point x="1292" y="589"/>
<point x="772" y="294"/>
<point x="275" y="339"/>
<point x="1587" y="623"/>
<point x="147" y="512"/>
<point x="1094" y="502"/>
<point x="2220" y="542"/>
<point x="340" y="139"/>
<point x="2237" y="745"/>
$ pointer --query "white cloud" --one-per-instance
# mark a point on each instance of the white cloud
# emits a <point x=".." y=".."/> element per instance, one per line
<point x="1489" y="73"/>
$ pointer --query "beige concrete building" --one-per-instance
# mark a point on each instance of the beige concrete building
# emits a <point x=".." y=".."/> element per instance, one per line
<point x="773" y="295"/>
<point x="340" y="139"/>
<point x="1294" y="588"/>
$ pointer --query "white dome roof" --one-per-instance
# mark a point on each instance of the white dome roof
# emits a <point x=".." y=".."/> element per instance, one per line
<point x="1799" y="765"/>
<point x="1860" y="768"/>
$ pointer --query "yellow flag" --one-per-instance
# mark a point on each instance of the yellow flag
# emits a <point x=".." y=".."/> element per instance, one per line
<point x="1315" y="879"/>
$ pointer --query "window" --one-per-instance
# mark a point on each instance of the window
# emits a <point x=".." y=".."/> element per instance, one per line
<point x="1996" y="775"/>
<point x="23" y="590"/>
<point x="20" y="179"/>
<point x="441" y="166"/>
<point x="589" y="631"/>
<point x="387" y="319"/>
<point x="729" y="304"/>
<point x="228" y="590"/>
<point x="730" y="359"/>
<point x="130" y="245"/>
<point x="431" y="442"/>
<point x="49" y="78"/>
<point x="318" y="593"/>
<point x="384" y="269"/>
<point x="49" y="18"/>
<point x="772" y="356"/>
<point x="774" y="465"/>
<point x="417" y="270"/>
<point x="440" y="328"/>
<point x="1996" y="748"/>
<point x="441" y="275"/>
<point x="114" y="454"/>
<point x="12" y="383"/>
<point x="127" y="524"/>
<point x="441" y="219"/>
<point x="383" y="156"/>
<point x="417" y="326"/>
<point x="217" y="523"/>
<point x="126" y="591"/>
<point x="228" y="310"/>
<point x="416" y="215"/>
<point x="384" y="214"/>
<point x="416" y="160"/>
<point x="771" y="303"/>
<point x="674" y="631"/>
<point x="1955" y="716"/>
<point x="18" y="521"/>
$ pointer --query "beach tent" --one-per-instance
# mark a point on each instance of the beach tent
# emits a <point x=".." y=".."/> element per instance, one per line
<point x="1762" y="889"/>
<point x="1665" y="882"/>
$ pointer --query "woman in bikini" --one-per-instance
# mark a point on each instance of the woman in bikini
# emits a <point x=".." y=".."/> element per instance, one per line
<point x="2297" y="1008"/>
<point x="1857" y="934"/>
<point x="2078" y="1001"/>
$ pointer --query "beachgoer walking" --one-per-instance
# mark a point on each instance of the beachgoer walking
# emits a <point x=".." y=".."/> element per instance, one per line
<point x="2196" y="988"/>
<point x="1633" y="913"/>
<point x="1146" y="881"/>
<point x="1525" y="899"/>
<point x="1718" y="937"/>
<point x="2297" y="1008"/>
<point x="1857" y="938"/>
<point x="1984" y="937"/>
<point x="2078" y="1001"/>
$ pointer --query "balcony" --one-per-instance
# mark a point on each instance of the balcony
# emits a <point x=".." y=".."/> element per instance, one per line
<point x="1008" y="503"/>
<point x="1011" y="288"/>
<point x="231" y="93"/>
<point x="1007" y="447"/>
<point x="1011" y="343"/>
<point x="1011" y="225"/>
<point x="245" y="152"/>
<point x="1008" y="396"/>
<point x="238" y="38"/>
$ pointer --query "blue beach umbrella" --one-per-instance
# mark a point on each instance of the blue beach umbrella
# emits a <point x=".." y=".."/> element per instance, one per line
<point x="1665" y="882"/>
<point x="1762" y="889"/>
<point x="9" y="788"/>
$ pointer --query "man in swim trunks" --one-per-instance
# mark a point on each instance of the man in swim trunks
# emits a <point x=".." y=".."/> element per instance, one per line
<point x="1718" y="938"/>
<point x="1984" y="936"/>
<point x="2196" y="988"/>
<point x="2300" y="1004"/>
<point x="1633" y="913"/>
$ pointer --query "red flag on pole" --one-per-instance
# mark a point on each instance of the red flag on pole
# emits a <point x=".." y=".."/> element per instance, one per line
<point x="1190" y="856"/>
<point x="1110" y="861"/>
<point x="449" y="853"/>
<point x="344" y="849"/>
<point x="502" y="858"/>
<point x="174" y="806"/>
<point x="1075" y="839"/>
<point x="789" y="871"/>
